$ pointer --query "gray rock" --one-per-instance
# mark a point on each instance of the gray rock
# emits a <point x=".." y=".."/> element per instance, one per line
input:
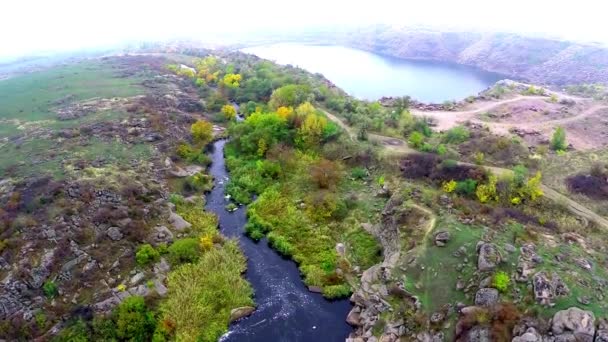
<point x="241" y="312"/>
<point x="546" y="287"/>
<point x="531" y="335"/>
<point x="161" y="234"/>
<point x="340" y="248"/>
<point x="178" y="222"/>
<point x="442" y="238"/>
<point x="602" y="331"/>
<point x="137" y="278"/>
<point x="509" y="248"/>
<point x="489" y="256"/>
<point x="486" y="297"/>
<point x="479" y="334"/>
<point x="114" y="233"/>
<point x="575" y="323"/>
<point x="354" y="316"/>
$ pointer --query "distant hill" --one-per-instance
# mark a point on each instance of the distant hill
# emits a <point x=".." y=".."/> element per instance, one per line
<point x="538" y="60"/>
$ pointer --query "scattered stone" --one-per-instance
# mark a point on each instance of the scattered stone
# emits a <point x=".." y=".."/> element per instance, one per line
<point x="340" y="249"/>
<point x="479" y="334"/>
<point x="489" y="256"/>
<point x="574" y="324"/>
<point x="486" y="297"/>
<point x="354" y="316"/>
<point x="442" y="238"/>
<point x="238" y="313"/>
<point x="315" y="289"/>
<point x="161" y="234"/>
<point x="546" y="287"/>
<point x="509" y="248"/>
<point x="437" y="317"/>
<point x="531" y="335"/>
<point x="114" y="233"/>
<point x="137" y="278"/>
<point x="178" y="222"/>
<point x="602" y="331"/>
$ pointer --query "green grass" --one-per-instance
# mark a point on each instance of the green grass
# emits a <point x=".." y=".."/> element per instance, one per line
<point x="29" y="97"/>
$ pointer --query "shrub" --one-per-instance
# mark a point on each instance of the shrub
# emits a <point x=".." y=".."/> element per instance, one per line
<point x="501" y="281"/>
<point x="449" y="186"/>
<point x="199" y="182"/>
<point x="50" y="289"/>
<point x="416" y="139"/>
<point x="558" y="140"/>
<point x="184" y="250"/>
<point x="146" y="254"/>
<point x="466" y="187"/>
<point x="441" y="149"/>
<point x="336" y="291"/>
<point x="358" y="173"/>
<point x="457" y="135"/>
<point x="487" y="192"/>
<point x="134" y="322"/>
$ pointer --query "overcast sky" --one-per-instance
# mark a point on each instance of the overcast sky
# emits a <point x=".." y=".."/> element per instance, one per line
<point x="34" y="25"/>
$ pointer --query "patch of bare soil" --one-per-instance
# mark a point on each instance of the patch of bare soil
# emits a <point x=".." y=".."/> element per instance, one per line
<point x="531" y="110"/>
<point x="590" y="132"/>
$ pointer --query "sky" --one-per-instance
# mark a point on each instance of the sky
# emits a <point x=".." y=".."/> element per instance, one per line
<point x="27" y="26"/>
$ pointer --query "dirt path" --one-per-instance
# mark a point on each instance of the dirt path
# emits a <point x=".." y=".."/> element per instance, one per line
<point x="400" y="146"/>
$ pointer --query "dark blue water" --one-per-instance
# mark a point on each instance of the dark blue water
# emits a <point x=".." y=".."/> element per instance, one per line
<point x="286" y="310"/>
<point x="370" y="76"/>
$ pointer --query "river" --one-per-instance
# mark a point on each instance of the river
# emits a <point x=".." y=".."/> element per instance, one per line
<point x="370" y="76"/>
<point x="286" y="310"/>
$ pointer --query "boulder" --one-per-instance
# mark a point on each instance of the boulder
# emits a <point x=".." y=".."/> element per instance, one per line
<point x="486" y="297"/>
<point x="479" y="334"/>
<point x="161" y="234"/>
<point x="178" y="222"/>
<point x="489" y="256"/>
<point x="238" y="313"/>
<point x="442" y="238"/>
<point x="114" y="233"/>
<point x="602" y="331"/>
<point x="574" y="324"/>
<point x="354" y="316"/>
<point x="531" y="335"/>
<point x="546" y="287"/>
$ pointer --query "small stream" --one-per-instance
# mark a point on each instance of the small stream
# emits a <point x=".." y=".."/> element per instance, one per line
<point x="286" y="310"/>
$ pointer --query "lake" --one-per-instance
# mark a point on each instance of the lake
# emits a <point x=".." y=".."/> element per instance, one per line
<point x="370" y="76"/>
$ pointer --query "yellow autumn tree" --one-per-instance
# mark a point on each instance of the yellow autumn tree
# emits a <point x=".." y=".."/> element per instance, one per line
<point x="202" y="132"/>
<point x="232" y="81"/>
<point x="305" y="109"/>
<point x="311" y="131"/>
<point x="284" y="112"/>
<point x="229" y="112"/>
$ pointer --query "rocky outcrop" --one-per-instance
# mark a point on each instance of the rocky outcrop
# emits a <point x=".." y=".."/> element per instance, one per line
<point x="547" y="287"/>
<point x="489" y="256"/>
<point x="486" y="297"/>
<point x="574" y="324"/>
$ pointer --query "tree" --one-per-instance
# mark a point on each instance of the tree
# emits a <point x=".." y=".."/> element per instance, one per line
<point x="311" y="131"/>
<point x="289" y="95"/>
<point x="229" y="112"/>
<point x="558" y="141"/>
<point x="232" y="81"/>
<point x="202" y="132"/>
<point x="284" y="112"/>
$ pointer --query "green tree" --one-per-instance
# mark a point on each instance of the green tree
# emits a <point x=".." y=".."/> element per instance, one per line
<point x="558" y="141"/>
<point x="290" y="95"/>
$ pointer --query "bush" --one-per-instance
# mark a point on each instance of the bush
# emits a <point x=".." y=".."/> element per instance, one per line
<point x="184" y="250"/>
<point x="416" y="139"/>
<point x="50" y="289"/>
<point x="457" y="135"/>
<point x="358" y="173"/>
<point x="466" y="187"/>
<point x="199" y="182"/>
<point x="501" y="281"/>
<point x="336" y="291"/>
<point x="134" y="322"/>
<point x="558" y="141"/>
<point x="146" y="254"/>
<point x="202" y="132"/>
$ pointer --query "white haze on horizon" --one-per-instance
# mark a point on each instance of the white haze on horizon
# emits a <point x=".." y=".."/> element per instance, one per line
<point x="29" y="26"/>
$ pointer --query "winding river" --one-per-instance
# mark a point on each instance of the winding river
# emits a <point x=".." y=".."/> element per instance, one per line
<point x="370" y="76"/>
<point x="286" y="310"/>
